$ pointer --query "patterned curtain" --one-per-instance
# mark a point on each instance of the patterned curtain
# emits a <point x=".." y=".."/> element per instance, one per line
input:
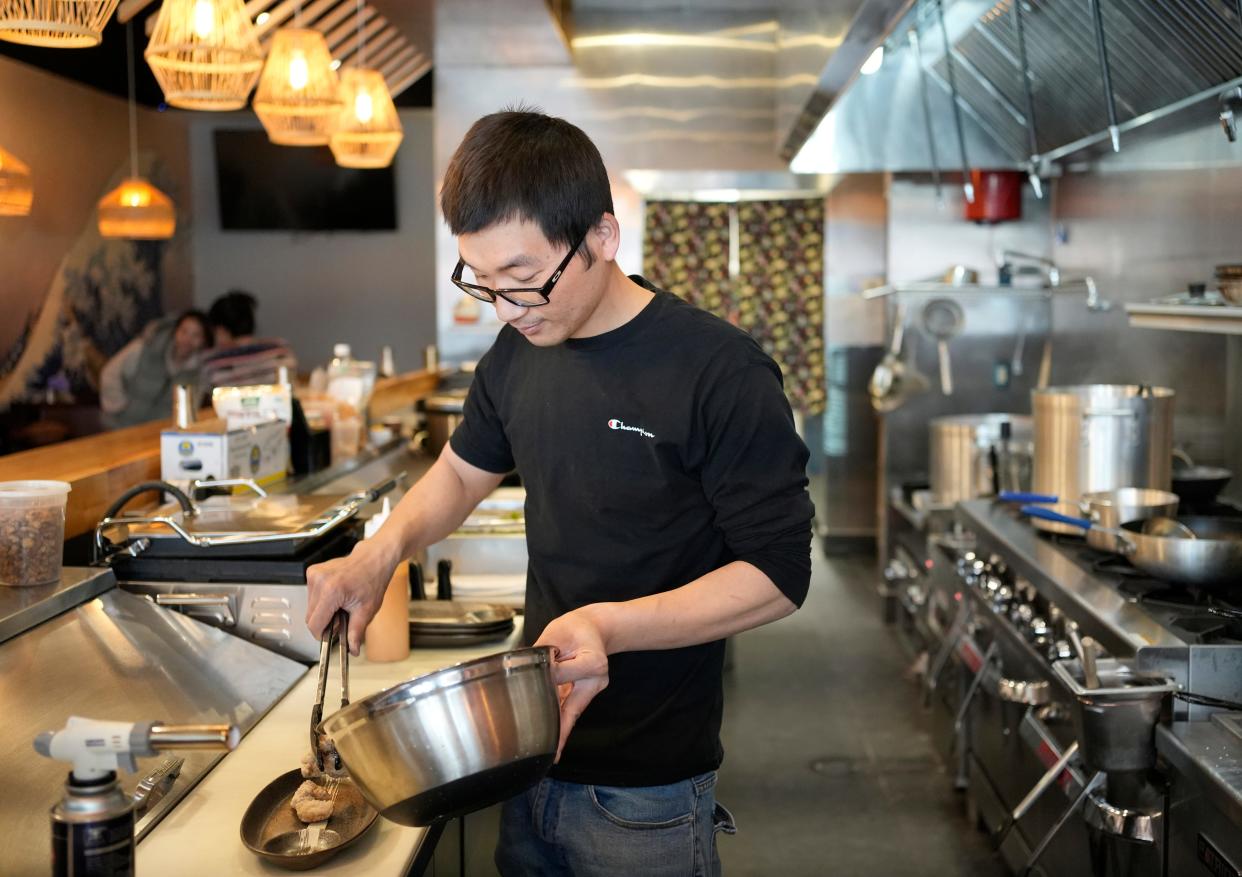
<point x="780" y="291"/>
<point x="777" y="295"/>
<point x="686" y="251"/>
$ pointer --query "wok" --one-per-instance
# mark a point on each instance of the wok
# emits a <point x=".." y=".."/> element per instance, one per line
<point x="1212" y="559"/>
<point x="1199" y="485"/>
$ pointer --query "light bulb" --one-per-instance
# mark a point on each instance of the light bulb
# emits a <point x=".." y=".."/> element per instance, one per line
<point x="299" y="73"/>
<point x="364" y="107"/>
<point x="135" y="196"/>
<point x="204" y="18"/>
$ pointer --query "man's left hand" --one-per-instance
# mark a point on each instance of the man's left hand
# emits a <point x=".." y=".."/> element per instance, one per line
<point x="581" y="668"/>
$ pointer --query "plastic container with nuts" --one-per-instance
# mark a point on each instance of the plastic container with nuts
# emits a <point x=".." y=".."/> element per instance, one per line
<point x="32" y="532"/>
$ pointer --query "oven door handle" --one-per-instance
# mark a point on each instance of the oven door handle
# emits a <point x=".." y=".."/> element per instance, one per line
<point x="1034" y="794"/>
<point x="960" y="719"/>
<point x="947" y="647"/>
<point x="1038" y="738"/>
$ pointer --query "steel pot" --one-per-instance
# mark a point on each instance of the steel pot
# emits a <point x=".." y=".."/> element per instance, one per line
<point x="453" y="741"/>
<point x="444" y="413"/>
<point x="1100" y="437"/>
<point x="1112" y="508"/>
<point x="968" y="455"/>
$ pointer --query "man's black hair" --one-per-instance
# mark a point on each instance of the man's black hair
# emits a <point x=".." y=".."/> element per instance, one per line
<point x="523" y="164"/>
<point x="234" y="311"/>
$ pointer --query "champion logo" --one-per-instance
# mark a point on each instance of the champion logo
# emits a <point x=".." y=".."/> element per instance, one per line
<point x="617" y="424"/>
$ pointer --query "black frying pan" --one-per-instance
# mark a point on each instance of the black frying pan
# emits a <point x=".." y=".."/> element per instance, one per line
<point x="1199" y="485"/>
<point x="270" y="823"/>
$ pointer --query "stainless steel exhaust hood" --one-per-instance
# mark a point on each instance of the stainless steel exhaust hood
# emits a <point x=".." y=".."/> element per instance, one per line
<point x="1147" y="58"/>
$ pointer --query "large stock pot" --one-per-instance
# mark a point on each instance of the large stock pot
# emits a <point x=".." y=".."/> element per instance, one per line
<point x="1101" y="437"/>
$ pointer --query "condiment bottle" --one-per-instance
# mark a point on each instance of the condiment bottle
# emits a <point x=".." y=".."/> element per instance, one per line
<point x="388" y="635"/>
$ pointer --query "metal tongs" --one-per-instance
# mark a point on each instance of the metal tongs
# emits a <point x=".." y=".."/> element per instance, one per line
<point x="338" y="631"/>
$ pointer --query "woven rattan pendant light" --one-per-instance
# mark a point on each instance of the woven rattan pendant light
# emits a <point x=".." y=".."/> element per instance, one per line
<point x="368" y="130"/>
<point x="63" y="24"/>
<point x="16" y="186"/>
<point x="136" y="209"/>
<point x="297" y="99"/>
<point x="204" y="54"/>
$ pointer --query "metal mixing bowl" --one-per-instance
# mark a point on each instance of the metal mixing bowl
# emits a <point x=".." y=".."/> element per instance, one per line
<point x="453" y="741"/>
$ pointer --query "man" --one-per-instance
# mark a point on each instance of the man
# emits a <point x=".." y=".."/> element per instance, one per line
<point x="666" y="503"/>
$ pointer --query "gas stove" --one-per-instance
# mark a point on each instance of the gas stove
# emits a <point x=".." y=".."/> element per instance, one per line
<point x="1197" y="616"/>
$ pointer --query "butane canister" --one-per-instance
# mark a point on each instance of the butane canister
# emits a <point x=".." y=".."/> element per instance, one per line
<point x="93" y="830"/>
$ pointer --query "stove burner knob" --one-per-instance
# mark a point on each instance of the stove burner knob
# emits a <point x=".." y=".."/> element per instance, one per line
<point x="896" y="571"/>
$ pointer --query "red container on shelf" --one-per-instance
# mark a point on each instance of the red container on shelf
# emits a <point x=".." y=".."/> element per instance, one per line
<point x="998" y="196"/>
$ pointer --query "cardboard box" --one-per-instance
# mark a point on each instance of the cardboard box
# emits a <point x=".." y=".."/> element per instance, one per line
<point x="211" y="450"/>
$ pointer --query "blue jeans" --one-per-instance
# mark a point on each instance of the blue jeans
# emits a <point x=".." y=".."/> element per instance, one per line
<point x="559" y="828"/>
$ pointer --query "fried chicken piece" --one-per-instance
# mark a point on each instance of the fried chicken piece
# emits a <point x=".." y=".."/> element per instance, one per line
<point x="312" y="802"/>
<point x="311" y="771"/>
<point x="311" y="810"/>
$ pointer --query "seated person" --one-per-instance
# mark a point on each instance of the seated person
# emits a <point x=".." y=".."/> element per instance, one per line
<point x="136" y="385"/>
<point x="239" y="358"/>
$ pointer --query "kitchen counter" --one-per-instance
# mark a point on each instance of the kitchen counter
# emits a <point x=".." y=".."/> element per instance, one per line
<point x="205" y="827"/>
<point x="1211" y="755"/>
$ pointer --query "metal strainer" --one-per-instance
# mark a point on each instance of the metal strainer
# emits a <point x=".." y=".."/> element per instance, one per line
<point x="943" y="319"/>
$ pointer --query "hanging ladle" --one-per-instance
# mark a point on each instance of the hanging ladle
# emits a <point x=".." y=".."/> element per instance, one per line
<point x="943" y="319"/>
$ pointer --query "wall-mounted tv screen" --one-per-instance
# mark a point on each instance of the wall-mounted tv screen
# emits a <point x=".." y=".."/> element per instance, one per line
<point x="265" y="187"/>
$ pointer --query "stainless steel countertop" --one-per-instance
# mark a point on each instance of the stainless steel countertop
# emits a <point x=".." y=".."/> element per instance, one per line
<point x="1211" y="755"/>
<point x="24" y="608"/>
<point x="122" y="658"/>
<point x="1098" y="607"/>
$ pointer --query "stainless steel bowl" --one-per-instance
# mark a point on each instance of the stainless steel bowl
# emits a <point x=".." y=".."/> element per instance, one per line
<point x="453" y="741"/>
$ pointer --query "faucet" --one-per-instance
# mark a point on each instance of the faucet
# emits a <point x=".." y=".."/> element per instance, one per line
<point x="1230" y="109"/>
<point x="1008" y="257"/>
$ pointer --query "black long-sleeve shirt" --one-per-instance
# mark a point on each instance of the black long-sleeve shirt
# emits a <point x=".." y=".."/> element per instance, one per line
<point x="651" y="455"/>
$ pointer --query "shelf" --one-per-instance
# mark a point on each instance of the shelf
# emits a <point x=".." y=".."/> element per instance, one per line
<point x="950" y="289"/>
<point x="1224" y="320"/>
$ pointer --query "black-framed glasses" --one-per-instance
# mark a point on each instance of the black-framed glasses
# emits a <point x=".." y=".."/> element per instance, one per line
<point x="523" y="297"/>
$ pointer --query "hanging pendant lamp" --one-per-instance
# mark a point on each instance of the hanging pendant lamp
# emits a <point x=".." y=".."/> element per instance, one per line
<point x="62" y="24"/>
<point x="16" y="186"/>
<point x="204" y="54"/>
<point x="297" y="99"/>
<point x="368" y="131"/>
<point x="136" y="209"/>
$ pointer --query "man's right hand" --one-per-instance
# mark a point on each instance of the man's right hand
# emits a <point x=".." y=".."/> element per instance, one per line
<point x="355" y="583"/>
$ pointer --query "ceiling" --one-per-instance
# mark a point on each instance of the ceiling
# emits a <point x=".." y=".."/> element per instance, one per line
<point x="719" y="73"/>
<point x="400" y="31"/>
